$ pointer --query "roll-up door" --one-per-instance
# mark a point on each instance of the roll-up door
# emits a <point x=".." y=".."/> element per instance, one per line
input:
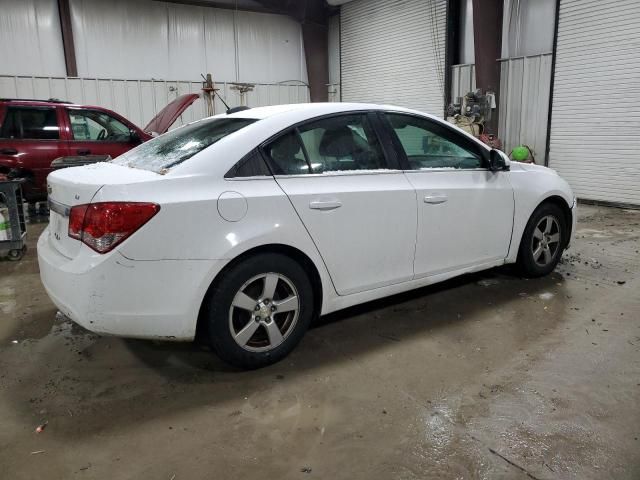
<point x="595" y="122"/>
<point x="393" y="52"/>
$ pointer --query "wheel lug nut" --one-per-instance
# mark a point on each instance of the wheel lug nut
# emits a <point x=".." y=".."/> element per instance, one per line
<point x="257" y="318"/>
<point x="257" y="308"/>
<point x="273" y="308"/>
<point x="266" y="301"/>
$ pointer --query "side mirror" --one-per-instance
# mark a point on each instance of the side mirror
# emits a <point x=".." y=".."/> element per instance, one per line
<point x="498" y="160"/>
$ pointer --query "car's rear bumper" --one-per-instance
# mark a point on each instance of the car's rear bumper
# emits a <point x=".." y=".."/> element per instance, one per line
<point x="110" y="294"/>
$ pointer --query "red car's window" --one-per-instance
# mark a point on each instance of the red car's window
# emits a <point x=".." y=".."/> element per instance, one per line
<point x="33" y="123"/>
<point x="92" y="125"/>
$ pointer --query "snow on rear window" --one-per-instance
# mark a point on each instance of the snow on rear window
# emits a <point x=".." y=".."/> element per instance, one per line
<point x="166" y="151"/>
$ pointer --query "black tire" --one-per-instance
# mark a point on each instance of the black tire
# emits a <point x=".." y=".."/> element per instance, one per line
<point x="527" y="264"/>
<point x="221" y="318"/>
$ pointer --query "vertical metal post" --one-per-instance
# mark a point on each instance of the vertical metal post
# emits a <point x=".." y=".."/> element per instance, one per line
<point x="553" y="77"/>
<point x="487" y="37"/>
<point x="452" y="48"/>
<point x="67" y="38"/>
<point x="316" y="52"/>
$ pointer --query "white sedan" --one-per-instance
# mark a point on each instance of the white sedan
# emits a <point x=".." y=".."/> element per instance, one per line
<point x="245" y="226"/>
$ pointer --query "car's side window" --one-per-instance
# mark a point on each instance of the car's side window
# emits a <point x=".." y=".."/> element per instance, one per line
<point x="30" y="123"/>
<point x="252" y="165"/>
<point x="287" y="156"/>
<point x="92" y="125"/>
<point x="342" y="143"/>
<point x="428" y="145"/>
<point x="333" y="144"/>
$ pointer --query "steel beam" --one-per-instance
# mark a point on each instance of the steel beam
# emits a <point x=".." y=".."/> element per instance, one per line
<point x="487" y="37"/>
<point x="67" y="38"/>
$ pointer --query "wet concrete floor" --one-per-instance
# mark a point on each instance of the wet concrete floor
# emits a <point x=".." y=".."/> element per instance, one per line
<point x="488" y="376"/>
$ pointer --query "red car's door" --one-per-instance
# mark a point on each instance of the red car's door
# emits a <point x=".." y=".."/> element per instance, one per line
<point x="29" y="142"/>
<point x="96" y="132"/>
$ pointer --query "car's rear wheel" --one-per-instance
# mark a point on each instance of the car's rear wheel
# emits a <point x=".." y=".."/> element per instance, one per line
<point x="259" y="310"/>
<point x="543" y="241"/>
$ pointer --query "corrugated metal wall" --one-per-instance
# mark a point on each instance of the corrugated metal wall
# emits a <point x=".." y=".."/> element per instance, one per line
<point x="140" y="100"/>
<point x="595" y="122"/>
<point x="30" y="38"/>
<point x="136" y="39"/>
<point x="393" y="52"/>
<point x="524" y="99"/>
<point x="525" y="83"/>
<point x="527" y="27"/>
<point x="463" y="80"/>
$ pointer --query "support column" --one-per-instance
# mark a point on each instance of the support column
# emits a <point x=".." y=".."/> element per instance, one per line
<point x="316" y="52"/>
<point x="487" y="37"/>
<point x="67" y="38"/>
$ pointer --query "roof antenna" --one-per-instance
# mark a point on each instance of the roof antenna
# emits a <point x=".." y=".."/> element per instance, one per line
<point x="225" y="103"/>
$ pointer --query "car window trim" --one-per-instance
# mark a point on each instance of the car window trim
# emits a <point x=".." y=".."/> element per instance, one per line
<point x="305" y="153"/>
<point x="454" y="135"/>
<point x="386" y="140"/>
<point x="295" y="127"/>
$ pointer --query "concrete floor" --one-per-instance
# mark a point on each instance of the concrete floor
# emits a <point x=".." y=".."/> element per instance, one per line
<point x="488" y="376"/>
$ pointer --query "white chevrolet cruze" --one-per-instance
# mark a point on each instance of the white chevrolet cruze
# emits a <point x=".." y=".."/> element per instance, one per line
<point x="245" y="226"/>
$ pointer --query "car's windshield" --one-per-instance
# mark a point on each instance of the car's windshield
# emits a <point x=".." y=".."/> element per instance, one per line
<point x="172" y="148"/>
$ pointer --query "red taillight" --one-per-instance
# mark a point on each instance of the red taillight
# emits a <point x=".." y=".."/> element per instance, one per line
<point x="104" y="225"/>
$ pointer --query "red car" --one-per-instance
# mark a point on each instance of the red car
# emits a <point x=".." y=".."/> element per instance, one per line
<point x="33" y="133"/>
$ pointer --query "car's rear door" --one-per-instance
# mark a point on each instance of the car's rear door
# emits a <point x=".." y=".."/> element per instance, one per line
<point x="29" y="142"/>
<point x="358" y="208"/>
<point x="95" y="132"/>
<point x="465" y="211"/>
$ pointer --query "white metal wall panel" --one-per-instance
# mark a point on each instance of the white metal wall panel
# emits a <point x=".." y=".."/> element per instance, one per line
<point x="527" y="27"/>
<point x="595" y="123"/>
<point x="140" y="100"/>
<point x="30" y="39"/>
<point x="463" y="80"/>
<point x="525" y="84"/>
<point x="467" y="53"/>
<point x="134" y="39"/>
<point x="270" y="48"/>
<point x="394" y="52"/>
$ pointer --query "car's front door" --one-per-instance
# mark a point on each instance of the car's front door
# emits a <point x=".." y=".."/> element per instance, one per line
<point x="360" y="213"/>
<point x="465" y="211"/>
<point x="94" y="132"/>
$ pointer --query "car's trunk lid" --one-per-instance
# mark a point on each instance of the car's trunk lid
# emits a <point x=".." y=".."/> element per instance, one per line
<point x="169" y="114"/>
<point x="76" y="186"/>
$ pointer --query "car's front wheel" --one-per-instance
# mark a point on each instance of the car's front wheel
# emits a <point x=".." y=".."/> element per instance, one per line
<point x="543" y="240"/>
<point x="259" y="310"/>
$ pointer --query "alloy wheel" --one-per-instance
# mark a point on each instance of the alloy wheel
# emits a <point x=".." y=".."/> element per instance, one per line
<point x="264" y="312"/>
<point x="545" y="242"/>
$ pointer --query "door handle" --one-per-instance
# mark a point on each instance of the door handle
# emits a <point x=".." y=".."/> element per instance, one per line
<point x="84" y="152"/>
<point x="9" y="151"/>
<point x="325" y="204"/>
<point x="435" y="198"/>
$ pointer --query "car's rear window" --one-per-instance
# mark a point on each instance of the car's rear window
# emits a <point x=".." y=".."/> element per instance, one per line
<point x="168" y="150"/>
